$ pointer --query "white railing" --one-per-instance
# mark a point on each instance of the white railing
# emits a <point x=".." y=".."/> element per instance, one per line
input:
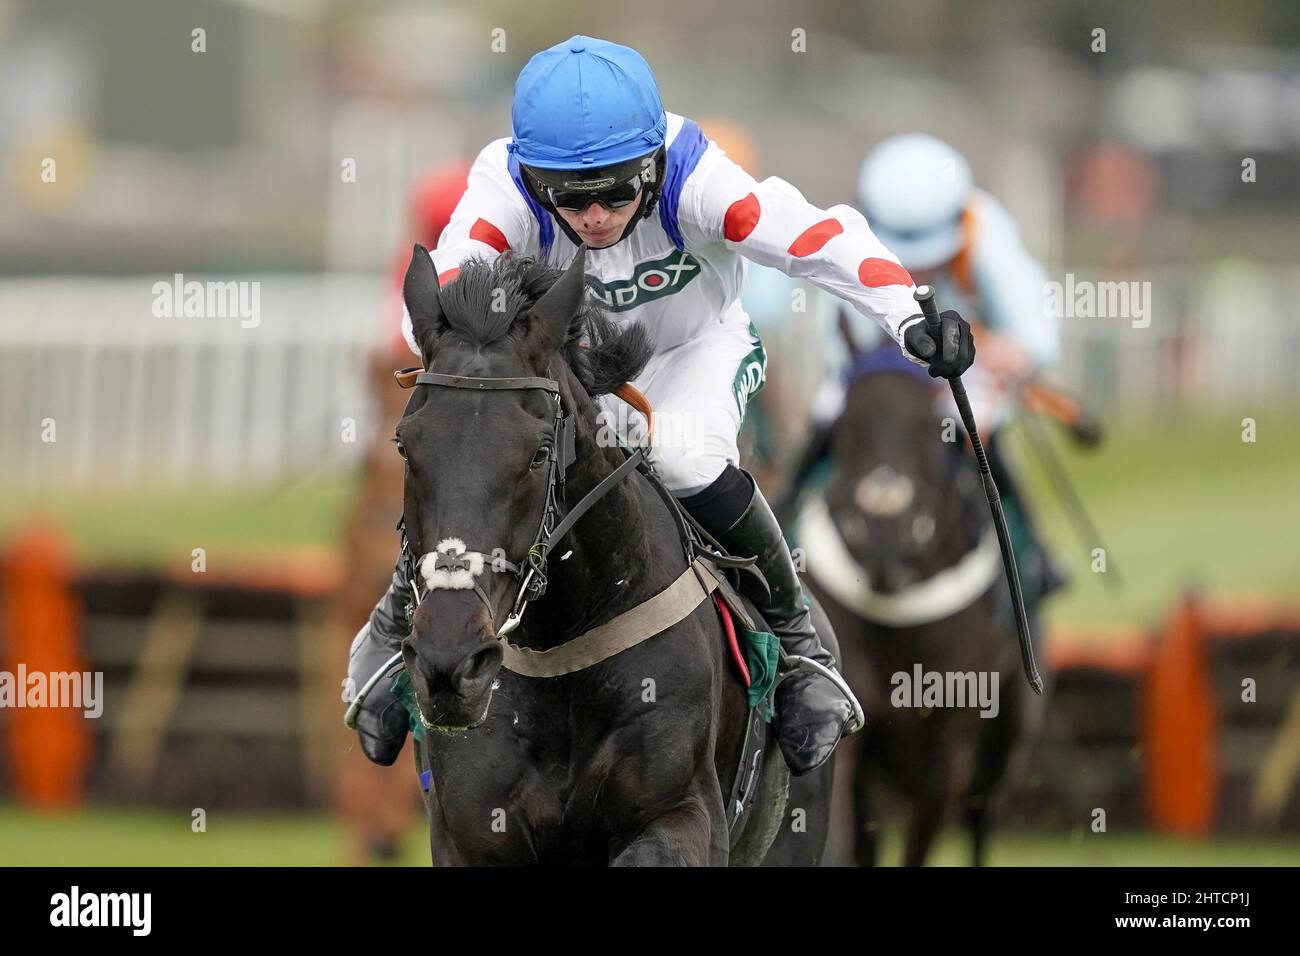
<point x="96" y="389"/>
<point x="129" y="397"/>
<point x="1224" y="337"/>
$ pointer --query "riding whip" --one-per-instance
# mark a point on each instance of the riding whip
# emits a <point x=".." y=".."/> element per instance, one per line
<point x="924" y="295"/>
<point x="1069" y="496"/>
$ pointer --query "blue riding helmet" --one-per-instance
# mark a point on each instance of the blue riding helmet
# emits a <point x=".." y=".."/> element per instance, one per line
<point x="589" y="127"/>
<point x="586" y="103"/>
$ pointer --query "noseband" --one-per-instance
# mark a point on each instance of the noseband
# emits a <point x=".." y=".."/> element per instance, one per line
<point x="452" y="557"/>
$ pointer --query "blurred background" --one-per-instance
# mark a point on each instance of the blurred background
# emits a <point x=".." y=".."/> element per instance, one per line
<point x="202" y="507"/>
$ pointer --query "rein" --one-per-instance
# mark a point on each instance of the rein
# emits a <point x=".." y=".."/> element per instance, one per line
<point x="530" y="570"/>
<point x="656" y="614"/>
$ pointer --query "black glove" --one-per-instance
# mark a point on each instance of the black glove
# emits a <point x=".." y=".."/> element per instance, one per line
<point x="382" y="725"/>
<point x="950" y="350"/>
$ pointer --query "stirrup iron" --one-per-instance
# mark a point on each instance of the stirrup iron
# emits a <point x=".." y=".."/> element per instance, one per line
<point x="793" y="663"/>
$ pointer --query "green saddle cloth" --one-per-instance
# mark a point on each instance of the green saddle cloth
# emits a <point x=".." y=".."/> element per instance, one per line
<point x="405" y="693"/>
<point x="762" y="652"/>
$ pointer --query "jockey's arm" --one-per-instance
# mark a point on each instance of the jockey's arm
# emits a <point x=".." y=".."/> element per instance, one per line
<point x="490" y="218"/>
<point x="1010" y="286"/>
<point x="772" y="224"/>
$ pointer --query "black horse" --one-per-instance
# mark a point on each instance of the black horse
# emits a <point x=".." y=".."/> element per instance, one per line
<point x="627" y="761"/>
<point x="900" y="550"/>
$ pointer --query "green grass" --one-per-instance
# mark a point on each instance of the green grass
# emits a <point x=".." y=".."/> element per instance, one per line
<point x="125" y="837"/>
<point x="161" y="527"/>
<point x="1180" y="504"/>
<point x="129" y="837"/>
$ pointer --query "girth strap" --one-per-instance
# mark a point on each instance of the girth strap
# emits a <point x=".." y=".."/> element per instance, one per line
<point x="670" y="606"/>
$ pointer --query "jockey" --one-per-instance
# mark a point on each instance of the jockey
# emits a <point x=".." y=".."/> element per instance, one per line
<point x="432" y="202"/>
<point x="920" y="197"/>
<point x="668" y="220"/>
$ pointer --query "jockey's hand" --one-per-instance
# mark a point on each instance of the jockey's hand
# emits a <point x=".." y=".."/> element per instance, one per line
<point x="1002" y="356"/>
<point x="948" y="351"/>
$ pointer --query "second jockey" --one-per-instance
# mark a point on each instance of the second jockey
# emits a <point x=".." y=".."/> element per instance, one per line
<point x="668" y="220"/>
<point x="923" y="202"/>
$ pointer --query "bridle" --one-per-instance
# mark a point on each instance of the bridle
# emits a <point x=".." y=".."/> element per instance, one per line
<point x="652" y="616"/>
<point x="530" y="570"/>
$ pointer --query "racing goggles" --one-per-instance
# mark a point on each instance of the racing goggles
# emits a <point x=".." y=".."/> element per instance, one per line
<point x="611" y="186"/>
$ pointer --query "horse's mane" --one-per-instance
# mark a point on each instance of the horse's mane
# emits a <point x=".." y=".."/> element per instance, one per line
<point x="489" y="301"/>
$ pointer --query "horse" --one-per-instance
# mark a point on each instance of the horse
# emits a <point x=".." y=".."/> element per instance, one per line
<point x="626" y="758"/>
<point x="899" y="548"/>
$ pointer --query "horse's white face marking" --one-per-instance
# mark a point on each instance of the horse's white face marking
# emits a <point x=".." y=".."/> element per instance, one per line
<point x="922" y="528"/>
<point x="466" y="566"/>
<point x="883" y="491"/>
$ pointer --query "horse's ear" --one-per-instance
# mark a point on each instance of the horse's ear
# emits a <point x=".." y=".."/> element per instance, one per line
<point x="554" y="312"/>
<point x="420" y="293"/>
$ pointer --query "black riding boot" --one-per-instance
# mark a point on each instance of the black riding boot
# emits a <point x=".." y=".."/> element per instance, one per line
<point x="381" y="721"/>
<point x="811" y="713"/>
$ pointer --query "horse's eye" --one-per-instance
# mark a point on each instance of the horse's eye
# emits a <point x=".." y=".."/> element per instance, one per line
<point x="401" y="449"/>
<point x="542" y="457"/>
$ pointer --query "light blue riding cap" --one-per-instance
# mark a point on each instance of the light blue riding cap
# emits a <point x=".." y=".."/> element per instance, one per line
<point x="912" y="189"/>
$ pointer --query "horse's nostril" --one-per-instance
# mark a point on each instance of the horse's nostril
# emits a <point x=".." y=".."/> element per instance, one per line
<point x="476" y="670"/>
